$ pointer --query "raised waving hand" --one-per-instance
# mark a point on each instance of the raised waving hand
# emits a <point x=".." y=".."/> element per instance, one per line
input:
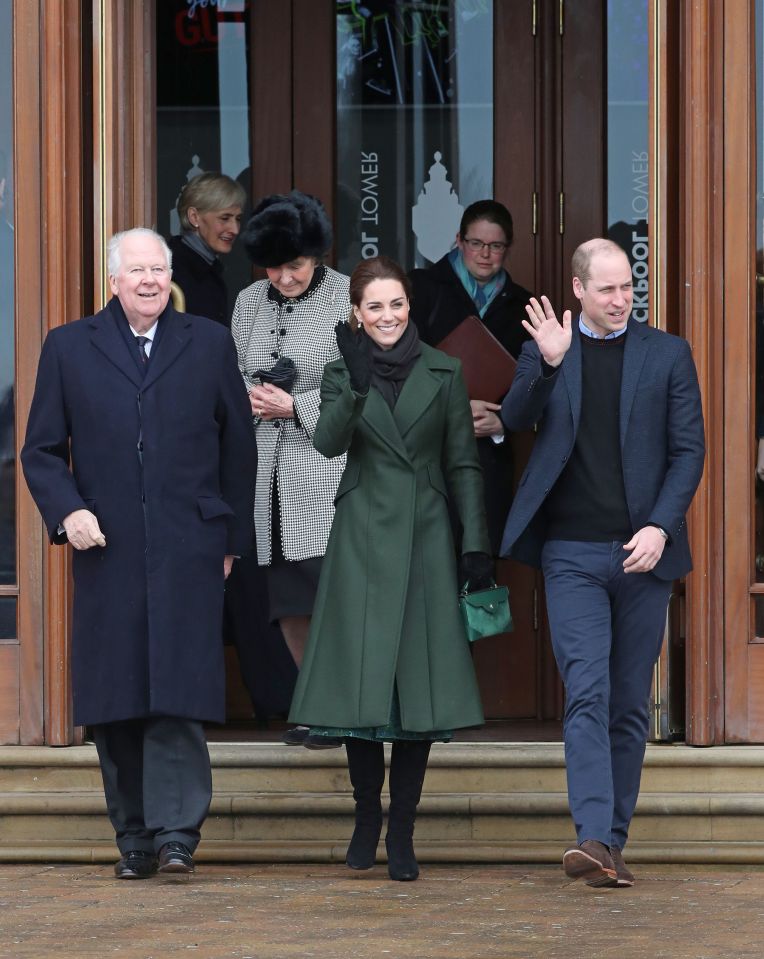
<point x="553" y="339"/>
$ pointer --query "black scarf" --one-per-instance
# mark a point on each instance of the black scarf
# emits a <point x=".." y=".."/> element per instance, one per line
<point x="390" y="368"/>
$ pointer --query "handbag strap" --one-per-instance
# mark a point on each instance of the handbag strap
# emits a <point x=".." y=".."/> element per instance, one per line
<point x="465" y="592"/>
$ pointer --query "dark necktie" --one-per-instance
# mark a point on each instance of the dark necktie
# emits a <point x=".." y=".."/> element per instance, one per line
<point x="142" y="341"/>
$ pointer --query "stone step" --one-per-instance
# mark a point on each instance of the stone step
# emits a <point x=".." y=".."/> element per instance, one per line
<point x="482" y="802"/>
<point x="528" y="816"/>
<point x="469" y="767"/>
<point x="691" y="852"/>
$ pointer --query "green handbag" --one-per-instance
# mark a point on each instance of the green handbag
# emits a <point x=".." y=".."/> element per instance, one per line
<point x="485" y="612"/>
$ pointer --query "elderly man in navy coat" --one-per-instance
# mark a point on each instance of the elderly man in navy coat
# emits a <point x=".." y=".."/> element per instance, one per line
<point x="601" y="508"/>
<point x="140" y="453"/>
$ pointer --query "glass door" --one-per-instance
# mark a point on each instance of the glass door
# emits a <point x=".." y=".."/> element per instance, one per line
<point x="202" y="110"/>
<point x="439" y="105"/>
<point x="415" y="123"/>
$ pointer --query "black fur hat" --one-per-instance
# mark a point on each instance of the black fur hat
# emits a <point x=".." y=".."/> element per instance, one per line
<point x="285" y="227"/>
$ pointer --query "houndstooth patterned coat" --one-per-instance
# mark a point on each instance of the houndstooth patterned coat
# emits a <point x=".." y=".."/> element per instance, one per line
<point x="306" y="482"/>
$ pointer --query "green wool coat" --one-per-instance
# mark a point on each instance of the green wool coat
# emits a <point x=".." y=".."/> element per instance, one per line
<point x="387" y="604"/>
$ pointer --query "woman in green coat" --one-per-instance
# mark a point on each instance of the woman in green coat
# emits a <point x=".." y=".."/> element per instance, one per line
<point x="387" y="657"/>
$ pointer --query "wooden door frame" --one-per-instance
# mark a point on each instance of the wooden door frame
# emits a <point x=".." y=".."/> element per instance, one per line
<point x="714" y="223"/>
<point x="54" y="226"/>
<point x="514" y="164"/>
<point x="48" y="216"/>
<point x="270" y="134"/>
<point x="27" y="164"/>
<point x="744" y="658"/>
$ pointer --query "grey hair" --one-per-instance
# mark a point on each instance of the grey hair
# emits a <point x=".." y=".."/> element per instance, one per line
<point x="113" y="251"/>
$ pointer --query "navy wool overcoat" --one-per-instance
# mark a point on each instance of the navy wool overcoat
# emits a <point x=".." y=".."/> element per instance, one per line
<point x="166" y="462"/>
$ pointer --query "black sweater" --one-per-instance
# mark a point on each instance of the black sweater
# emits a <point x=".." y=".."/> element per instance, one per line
<point x="588" y="501"/>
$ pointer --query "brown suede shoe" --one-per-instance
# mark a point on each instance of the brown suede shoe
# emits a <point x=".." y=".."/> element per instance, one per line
<point x="624" y="876"/>
<point x="590" y="861"/>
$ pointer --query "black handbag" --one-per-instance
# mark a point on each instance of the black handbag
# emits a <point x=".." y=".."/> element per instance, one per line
<point x="485" y="612"/>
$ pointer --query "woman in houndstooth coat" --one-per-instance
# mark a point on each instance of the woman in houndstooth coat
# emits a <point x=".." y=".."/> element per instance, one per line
<point x="283" y="328"/>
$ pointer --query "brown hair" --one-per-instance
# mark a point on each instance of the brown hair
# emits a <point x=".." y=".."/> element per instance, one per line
<point x="493" y="212"/>
<point x="366" y="272"/>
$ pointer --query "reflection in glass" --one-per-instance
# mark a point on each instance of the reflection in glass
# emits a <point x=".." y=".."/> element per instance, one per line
<point x="759" y="315"/>
<point x="203" y="108"/>
<point x="8" y="605"/>
<point x="758" y="612"/>
<point x="627" y="138"/>
<point x="7" y="349"/>
<point x="414" y="125"/>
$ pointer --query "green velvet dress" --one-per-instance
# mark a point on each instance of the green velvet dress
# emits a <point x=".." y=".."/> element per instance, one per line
<point x="385" y="734"/>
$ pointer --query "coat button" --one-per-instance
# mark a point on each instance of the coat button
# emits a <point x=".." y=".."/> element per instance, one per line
<point x="272" y="332"/>
<point x="276" y="425"/>
<point x="282" y="332"/>
<point x="275" y="355"/>
<point x="289" y="309"/>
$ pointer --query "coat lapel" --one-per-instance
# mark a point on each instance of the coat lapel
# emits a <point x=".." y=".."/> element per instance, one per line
<point x="419" y="390"/>
<point x="571" y="371"/>
<point x="175" y="338"/>
<point x="106" y="338"/>
<point x="379" y="416"/>
<point x="634" y="355"/>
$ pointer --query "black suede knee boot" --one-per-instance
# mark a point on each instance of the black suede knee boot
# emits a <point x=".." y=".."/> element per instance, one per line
<point x="366" y="765"/>
<point x="408" y="766"/>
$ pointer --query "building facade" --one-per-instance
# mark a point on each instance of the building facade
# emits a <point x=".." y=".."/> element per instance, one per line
<point x="640" y="119"/>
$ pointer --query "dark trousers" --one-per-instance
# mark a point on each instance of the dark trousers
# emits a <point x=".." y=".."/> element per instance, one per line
<point x="607" y="630"/>
<point x="265" y="663"/>
<point x="157" y="780"/>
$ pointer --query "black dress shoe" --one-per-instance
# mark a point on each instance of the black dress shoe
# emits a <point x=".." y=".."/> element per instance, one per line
<point x="175" y="857"/>
<point x="136" y="864"/>
<point x="295" y="736"/>
<point x="317" y="741"/>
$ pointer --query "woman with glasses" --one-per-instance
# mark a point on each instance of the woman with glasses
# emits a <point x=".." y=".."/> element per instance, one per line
<point x="472" y="280"/>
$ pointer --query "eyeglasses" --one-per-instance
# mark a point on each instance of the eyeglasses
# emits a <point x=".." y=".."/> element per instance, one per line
<point x="478" y="245"/>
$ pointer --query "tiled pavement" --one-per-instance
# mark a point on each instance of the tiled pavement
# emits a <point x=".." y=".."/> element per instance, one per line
<point x="326" y="912"/>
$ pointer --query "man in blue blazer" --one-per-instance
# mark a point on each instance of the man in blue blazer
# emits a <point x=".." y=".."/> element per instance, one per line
<point x="140" y="454"/>
<point x="601" y="509"/>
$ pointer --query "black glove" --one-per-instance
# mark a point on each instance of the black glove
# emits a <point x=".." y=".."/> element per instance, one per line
<point x="281" y="374"/>
<point x="352" y="346"/>
<point x="476" y="570"/>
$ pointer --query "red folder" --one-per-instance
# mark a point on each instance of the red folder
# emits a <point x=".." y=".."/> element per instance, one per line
<point x="487" y="367"/>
